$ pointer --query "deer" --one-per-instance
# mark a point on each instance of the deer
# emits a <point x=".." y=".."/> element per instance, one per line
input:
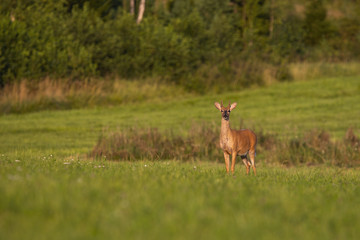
<point x="236" y="142"/>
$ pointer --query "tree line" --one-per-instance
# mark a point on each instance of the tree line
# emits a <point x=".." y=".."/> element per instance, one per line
<point x="193" y="43"/>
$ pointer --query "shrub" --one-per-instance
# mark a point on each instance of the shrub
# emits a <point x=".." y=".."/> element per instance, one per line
<point x="12" y="51"/>
<point x="151" y="144"/>
<point x="283" y="73"/>
<point x="84" y="39"/>
<point x="201" y="143"/>
<point x="315" y="147"/>
<point x="316" y="26"/>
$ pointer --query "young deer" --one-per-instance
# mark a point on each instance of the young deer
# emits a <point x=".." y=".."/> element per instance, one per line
<point x="236" y="142"/>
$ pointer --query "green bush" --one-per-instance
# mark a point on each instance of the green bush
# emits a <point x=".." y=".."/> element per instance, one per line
<point x="316" y="26"/>
<point x="175" y="41"/>
<point x="288" y="39"/>
<point x="12" y="51"/>
<point x="283" y="73"/>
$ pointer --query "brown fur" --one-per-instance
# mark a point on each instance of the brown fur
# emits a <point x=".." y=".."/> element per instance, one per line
<point x="236" y="142"/>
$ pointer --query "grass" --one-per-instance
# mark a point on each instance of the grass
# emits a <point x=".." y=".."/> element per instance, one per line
<point x="315" y="70"/>
<point x="284" y="109"/>
<point x="202" y="143"/>
<point x="48" y="94"/>
<point x="62" y="94"/>
<point x="50" y="190"/>
<point x="57" y="199"/>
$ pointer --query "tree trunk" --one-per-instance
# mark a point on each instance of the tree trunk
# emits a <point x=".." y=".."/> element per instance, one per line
<point x="141" y="11"/>
<point x="271" y="25"/>
<point x="244" y="16"/>
<point x="132" y="7"/>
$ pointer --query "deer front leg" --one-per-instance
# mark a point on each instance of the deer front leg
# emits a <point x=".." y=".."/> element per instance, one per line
<point x="233" y="156"/>
<point x="226" y="156"/>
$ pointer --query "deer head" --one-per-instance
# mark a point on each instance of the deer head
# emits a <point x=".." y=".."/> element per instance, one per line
<point x="225" y="111"/>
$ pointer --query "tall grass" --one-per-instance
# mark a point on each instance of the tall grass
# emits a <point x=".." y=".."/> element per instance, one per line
<point x="312" y="70"/>
<point x="239" y="75"/>
<point x="53" y="94"/>
<point x="315" y="147"/>
<point x="202" y="143"/>
<point x="138" y="144"/>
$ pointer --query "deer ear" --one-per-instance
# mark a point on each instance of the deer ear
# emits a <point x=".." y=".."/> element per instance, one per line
<point x="232" y="106"/>
<point x="218" y="106"/>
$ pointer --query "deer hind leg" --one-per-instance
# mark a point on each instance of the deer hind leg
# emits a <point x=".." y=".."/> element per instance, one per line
<point x="252" y="159"/>
<point x="246" y="162"/>
<point x="227" y="161"/>
<point x="233" y="156"/>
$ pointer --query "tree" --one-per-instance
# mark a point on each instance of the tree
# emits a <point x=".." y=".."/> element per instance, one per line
<point x="316" y="26"/>
<point x="141" y="11"/>
<point x="132" y="7"/>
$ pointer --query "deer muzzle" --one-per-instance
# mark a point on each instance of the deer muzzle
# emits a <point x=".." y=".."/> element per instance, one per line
<point x="226" y="115"/>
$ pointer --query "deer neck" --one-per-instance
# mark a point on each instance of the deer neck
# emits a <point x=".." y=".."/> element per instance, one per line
<point x="225" y="128"/>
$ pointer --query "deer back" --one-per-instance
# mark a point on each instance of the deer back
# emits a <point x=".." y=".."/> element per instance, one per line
<point x="243" y="141"/>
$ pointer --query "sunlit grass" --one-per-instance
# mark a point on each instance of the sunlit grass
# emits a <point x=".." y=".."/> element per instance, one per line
<point x="286" y="109"/>
<point x="50" y="190"/>
<point x="313" y="70"/>
<point x="61" y="94"/>
<point x="71" y="199"/>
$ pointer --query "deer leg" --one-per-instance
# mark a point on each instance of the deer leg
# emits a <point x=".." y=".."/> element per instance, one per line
<point x="233" y="156"/>
<point x="245" y="161"/>
<point x="227" y="159"/>
<point x="252" y="159"/>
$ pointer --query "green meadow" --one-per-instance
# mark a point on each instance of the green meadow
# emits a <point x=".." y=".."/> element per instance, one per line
<point x="284" y="109"/>
<point x="51" y="189"/>
<point x="43" y="198"/>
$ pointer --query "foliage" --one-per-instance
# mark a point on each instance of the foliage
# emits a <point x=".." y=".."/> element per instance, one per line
<point x="288" y="39"/>
<point x="86" y="39"/>
<point x="316" y="26"/>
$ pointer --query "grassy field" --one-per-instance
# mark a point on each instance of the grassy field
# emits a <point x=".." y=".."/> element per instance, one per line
<point x="48" y="199"/>
<point x="50" y="190"/>
<point x="286" y="109"/>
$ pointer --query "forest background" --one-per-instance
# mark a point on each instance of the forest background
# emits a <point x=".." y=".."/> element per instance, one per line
<point x="199" y="45"/>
